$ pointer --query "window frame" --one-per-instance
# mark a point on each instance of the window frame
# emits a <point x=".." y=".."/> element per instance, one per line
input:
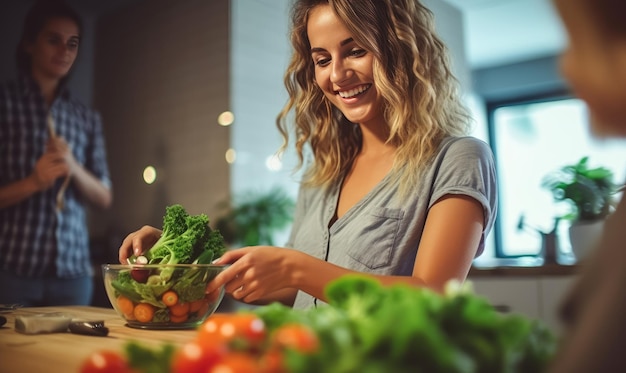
<point x="491" y="107"/>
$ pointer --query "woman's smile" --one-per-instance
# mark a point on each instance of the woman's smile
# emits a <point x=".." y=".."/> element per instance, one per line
<point x="344" y="70"/>
<point x="354" y="92"/>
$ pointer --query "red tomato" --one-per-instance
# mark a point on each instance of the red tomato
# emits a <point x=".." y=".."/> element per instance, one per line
<point x="230" y="327"/>
<point x="236" y="363"/>
<point x="193" y="357"/>
<point x="105" y="361"/>
<point x="295" y="336"/>
<point x="272" y="362"/>
<point x="140" y="275"/>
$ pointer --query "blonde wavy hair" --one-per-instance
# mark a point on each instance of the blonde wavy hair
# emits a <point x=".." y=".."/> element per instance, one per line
<point x="411" y="71"/>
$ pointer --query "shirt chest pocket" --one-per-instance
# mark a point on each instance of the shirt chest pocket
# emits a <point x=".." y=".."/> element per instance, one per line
<point x="374" y="245"/>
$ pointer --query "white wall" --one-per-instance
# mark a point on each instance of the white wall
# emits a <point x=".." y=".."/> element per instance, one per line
<point x="259" y="56"/>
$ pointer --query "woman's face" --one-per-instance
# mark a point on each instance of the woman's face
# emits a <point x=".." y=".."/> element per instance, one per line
<point x="54" y="50"/>
<point x="343" y="70"/>
<point x="595" y="66"/>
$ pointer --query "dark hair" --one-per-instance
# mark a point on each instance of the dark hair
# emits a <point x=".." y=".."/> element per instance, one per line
<point x="609" y="15"/>
<point x="36" y="18"/>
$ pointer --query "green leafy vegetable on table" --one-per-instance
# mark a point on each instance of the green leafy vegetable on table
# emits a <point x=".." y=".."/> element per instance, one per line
<point x="371" y="328"/>
<point x="374" y="329"/>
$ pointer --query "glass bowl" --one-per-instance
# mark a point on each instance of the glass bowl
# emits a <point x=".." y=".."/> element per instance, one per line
<point x="153" y="296"/>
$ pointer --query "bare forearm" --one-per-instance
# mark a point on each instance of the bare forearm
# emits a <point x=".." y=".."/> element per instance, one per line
<point x="18" y="191"/>
<point x="91" y="188"/>
<point x="312" y="275"/>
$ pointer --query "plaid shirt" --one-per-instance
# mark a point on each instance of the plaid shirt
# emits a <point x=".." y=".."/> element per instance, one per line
<point x="35" y="240"/>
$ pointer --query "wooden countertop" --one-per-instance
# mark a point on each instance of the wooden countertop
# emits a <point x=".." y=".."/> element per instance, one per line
<point x="64" y="352"/>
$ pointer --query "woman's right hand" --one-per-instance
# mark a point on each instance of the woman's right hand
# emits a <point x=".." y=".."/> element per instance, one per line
<point x="138" y="242"/>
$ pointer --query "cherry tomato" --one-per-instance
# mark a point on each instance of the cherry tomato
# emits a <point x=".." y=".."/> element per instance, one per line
<point x="228" y="328"/>
<point x="295" y="336"/>
<point x="193" y="357"/>
<point x="236" y="363"/>
<point x="272" y="361"/>
<point x="250" y="326"/>
<point x="105" y="361"/>
<point x="140" y="275"/>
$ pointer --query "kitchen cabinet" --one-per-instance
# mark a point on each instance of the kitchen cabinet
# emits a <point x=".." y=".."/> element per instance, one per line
<point x="535" y="296"/>
<point x="512" y="295"/>
<point x="551" y="293"/>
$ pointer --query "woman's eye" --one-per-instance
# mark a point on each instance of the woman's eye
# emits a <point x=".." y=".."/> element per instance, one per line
<point x="54" y="41"/>
<point x="357" y="52"/>
<point x="72" y="45"/>
<point x="322" y="61"/>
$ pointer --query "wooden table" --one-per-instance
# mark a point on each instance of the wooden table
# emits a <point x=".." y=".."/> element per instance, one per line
<point x="64" y="352"/>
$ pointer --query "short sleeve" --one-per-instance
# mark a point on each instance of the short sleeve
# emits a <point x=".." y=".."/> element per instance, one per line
<point x="466" y="166"/>
<point x="96" y="155"/>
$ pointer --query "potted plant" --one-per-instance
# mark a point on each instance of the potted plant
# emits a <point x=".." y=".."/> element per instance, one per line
<point x="255" y="217"/>
<point x="590" y="194"/>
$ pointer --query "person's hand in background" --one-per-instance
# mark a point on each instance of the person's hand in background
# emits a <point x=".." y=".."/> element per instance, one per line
<point x="51" y="165"/>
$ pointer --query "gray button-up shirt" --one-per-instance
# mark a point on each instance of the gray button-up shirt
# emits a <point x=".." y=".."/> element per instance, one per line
<point x="381" y="233"/>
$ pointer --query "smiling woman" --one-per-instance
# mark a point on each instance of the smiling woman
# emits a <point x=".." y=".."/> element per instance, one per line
<point x="392" y="185"/>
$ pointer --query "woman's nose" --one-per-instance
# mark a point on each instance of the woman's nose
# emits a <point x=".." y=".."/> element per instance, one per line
<point x="340" y="71"/>
<point x="62" y="48"/>
<point x="65" y="48"/>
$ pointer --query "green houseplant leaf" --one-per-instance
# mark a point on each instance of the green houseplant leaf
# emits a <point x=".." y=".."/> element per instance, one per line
<point x="589" y="191"/>
<point x="254" y="217"/>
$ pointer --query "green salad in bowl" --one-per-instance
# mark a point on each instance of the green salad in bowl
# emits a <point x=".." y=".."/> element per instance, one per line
<point x="164" y="288"/>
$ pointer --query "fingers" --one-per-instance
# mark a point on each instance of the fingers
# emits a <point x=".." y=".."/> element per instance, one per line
<point x="231" y="256"/>
<point x="138" y="242"/>
<point x="246" y="292"/>
<point x="239" y="281"/>
<point x="236" y="285"/>
<point x="125" y="249"/>
<point x="57" y="144"/>
<point x="47" y="170"/>
<point x="227" y="276"/>
<point x="59" y="148"/>
<point x="223" y="278"/>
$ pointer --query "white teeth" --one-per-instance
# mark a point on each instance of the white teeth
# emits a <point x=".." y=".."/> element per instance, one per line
<point x="353" y="92"/>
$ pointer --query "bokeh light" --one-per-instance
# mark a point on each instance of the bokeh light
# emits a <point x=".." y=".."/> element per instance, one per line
<point x="226" y="118"/>
<point x="149" y="175"/>
<point x="231" y="156"/>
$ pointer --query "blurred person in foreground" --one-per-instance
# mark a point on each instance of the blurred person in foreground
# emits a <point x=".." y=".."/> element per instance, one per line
<point x="594" y="63"/>
<point x="52" y="164"/>
<point x="396" y="189"/>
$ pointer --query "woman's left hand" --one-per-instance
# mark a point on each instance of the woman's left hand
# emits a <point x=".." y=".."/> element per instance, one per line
<point x="255" y="272"/>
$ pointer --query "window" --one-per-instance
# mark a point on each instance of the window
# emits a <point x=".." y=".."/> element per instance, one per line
<point x="531" y="139"/>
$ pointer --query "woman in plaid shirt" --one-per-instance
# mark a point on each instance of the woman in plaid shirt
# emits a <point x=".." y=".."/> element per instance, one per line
<point x="52" y="163"/>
